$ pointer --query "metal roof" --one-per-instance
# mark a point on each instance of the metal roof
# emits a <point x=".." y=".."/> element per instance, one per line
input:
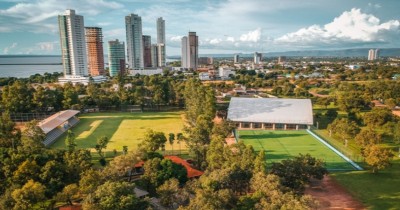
<point x="56" y="119"/>
<point x="271" y="110"/>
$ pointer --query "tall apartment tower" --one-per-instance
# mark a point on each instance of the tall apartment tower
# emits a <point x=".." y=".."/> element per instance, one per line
<point x="161" y="41"/>
<point x="257" y="58"/>
<point x="193" y="50"/>
<point x="236" y="58"/>
<point x="94" y="43"/>
<point x="154" y="55"/>
<point x="133" y="24"/>
<point x="146" y="50"/>
<point x="184" y="57"/>
<point x="116" y="57"/>
<point x="72" y="41"/>
<point x="371" y="55"/>
<point x="376" y="54"/>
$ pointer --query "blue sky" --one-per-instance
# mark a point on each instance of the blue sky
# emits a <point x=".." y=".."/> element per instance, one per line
<point x="223" y="26"/>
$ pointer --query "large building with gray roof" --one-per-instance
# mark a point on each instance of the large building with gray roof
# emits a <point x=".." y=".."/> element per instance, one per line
<point x="270" y="113"/>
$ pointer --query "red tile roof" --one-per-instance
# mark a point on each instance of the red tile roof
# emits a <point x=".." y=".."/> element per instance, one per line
<point x="191" y="172"/>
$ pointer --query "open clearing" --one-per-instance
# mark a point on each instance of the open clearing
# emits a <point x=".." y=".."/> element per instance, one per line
<point x="123" y="129"/>
<point x="281" y="145"/>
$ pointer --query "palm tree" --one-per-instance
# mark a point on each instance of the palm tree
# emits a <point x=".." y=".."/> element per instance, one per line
<point x="179" y="137"/>
<point x="171" y="141"/>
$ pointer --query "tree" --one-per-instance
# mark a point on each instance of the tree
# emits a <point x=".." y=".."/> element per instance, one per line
<point x="153" y="140"/>
<point x="32" y="139"/>
<point x="296" y="172"/>
<point x="157" y="171"/>
<point x="26" y="170"/>
<point x="77" y="162"/>
<point x="30" y="194"/>
<point x="9" y="135"/>
<point x="331" y="113"/>
<point x="114" y="195"/>
<point x="90" y="180"/>
<point x="268" y="194"/>
<point x="171" y="138"/>
<point x="17" y="97"/>
<point x="378" y="117"/>
<point x="368" y="137"/>
<point x="168" y="192"/>
<point x="101" y="144"/>
<point x="344" y="128"/>
<point x="377" y="157"/>
<point x="260" y="165"/>
<point x="215" y="154"/>
<point x="179" y="138"/>
<point x="68" y="194"/>
<point x="70" y="141"/>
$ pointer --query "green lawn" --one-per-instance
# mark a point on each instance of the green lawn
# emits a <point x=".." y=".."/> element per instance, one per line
<point x="376" y="191"/>
<point x="280" y="145"/>
<point x="123" y="129"/>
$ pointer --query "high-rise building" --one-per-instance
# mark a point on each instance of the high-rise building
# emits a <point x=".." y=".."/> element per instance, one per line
<point x="257" y="58"/>
<point x="72" y="41"/>
<point x="116" y="57"/>
<point x="134" y="42"/>
<point x="193" y="50"/>
<point x="161" y="54"/>
<point x="376" y="54"/>
<point x="161" y="41"/>
<point x="154" y="55"/>
<point x="160" y="31"/>
<point x="94" y="43"/>
<point x="146" y="50"/>
<point x="371" y="54"/>
<point x="184" y="57"/>
<point x="281" y="59"/>
<point x="236" y="58"/>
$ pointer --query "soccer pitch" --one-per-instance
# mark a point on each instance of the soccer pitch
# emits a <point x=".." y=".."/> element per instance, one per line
<point x="123" y="129"/>
<point x="280" y="145"/>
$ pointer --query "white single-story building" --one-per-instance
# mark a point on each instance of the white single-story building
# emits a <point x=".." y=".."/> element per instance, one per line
<point x="270" y="113"/>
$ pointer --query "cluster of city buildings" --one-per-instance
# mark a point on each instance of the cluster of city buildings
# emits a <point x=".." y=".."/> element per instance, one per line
<point x="82" y="49"/>
<point x="373" y="54"/>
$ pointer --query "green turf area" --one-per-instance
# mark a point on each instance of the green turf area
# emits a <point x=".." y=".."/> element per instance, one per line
<point x="123" y="129"/>
<point x="377" y="191"/>
<point x="280" y="145"/>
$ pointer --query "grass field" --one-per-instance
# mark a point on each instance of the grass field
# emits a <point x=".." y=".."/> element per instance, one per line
<point x="280" y="145"/>
<point x="123" y="129"/>
<point x="376" y="191"/>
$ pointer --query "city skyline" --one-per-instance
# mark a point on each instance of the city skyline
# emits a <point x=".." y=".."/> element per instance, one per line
<point x="223" y="26"/>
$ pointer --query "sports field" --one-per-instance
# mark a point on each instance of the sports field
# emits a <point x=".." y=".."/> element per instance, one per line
<point x="280" y="145"/>
<point x="123" y="129"/>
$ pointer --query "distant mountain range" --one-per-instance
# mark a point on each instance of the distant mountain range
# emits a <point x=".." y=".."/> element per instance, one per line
<point x="359" y="52"/>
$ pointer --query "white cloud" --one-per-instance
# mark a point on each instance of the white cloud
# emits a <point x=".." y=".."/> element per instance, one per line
<point x="251" y="36"/>
<point x="47" y="46"/>
<point x="230" y="39"/>
<point x="377" y="6"/>
<point x="6" y="50"/>
<point x="352" y="27"/>
<point x="215" y="41"/>
<point x="40" y="15"/>
<point x="176" y="38"/>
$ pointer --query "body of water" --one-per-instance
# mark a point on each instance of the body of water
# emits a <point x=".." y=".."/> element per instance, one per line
<point x="25" y="66"/>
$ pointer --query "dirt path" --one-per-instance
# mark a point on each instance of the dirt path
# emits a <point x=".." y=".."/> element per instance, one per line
<point x="331" y="195"/>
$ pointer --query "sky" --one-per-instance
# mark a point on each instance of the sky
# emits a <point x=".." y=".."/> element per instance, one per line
<point x="223" y="26"/>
